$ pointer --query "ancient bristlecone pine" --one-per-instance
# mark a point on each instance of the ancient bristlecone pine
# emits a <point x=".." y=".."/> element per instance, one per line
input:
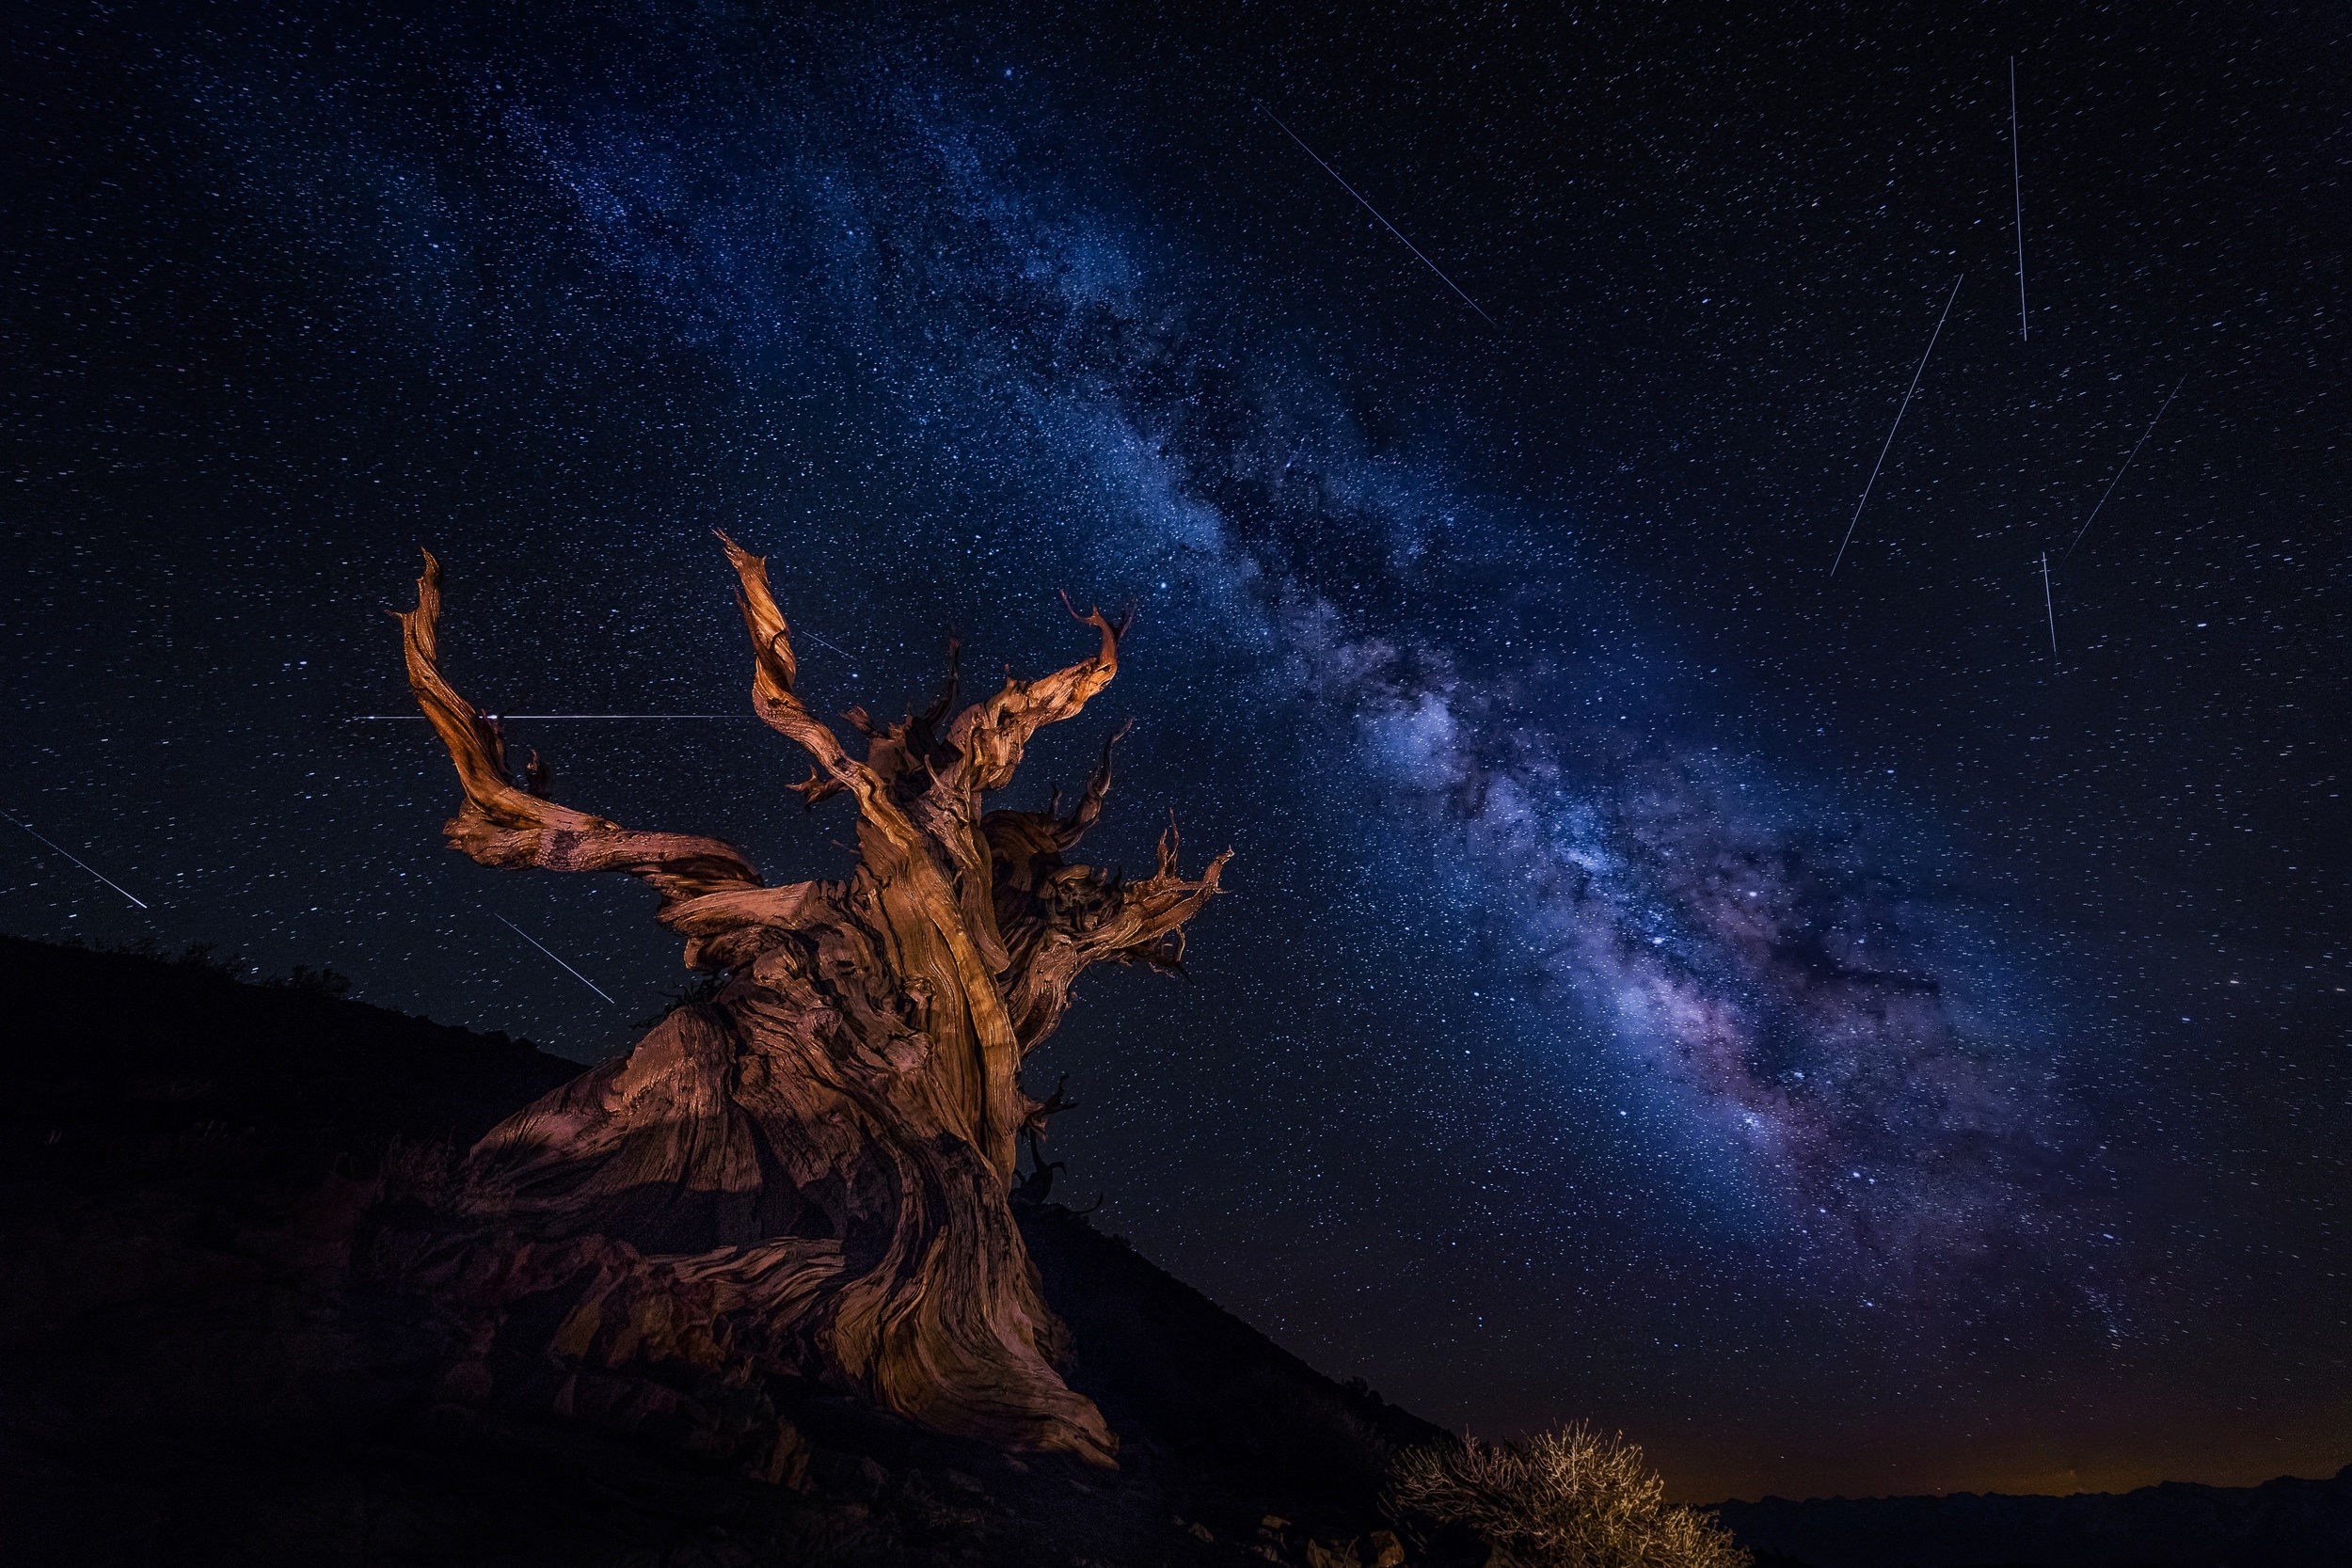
<point x="809" y="1171"/>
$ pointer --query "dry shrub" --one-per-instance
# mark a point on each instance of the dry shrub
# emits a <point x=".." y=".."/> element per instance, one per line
<point x="1570" y="1498"/>
<point x="411" y="1168"/>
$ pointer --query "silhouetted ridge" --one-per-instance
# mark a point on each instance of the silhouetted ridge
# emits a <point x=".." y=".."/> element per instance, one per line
<point x="186" y="1375"/>
<point x="2286" y="1522"/>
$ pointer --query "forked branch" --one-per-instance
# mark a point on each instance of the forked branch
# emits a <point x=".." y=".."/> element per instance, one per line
<point x="1070" y="829"/>
<point x="504" y="822"/>
<point x="775" y="669"/>
<point x="990" y="735"/>
<point x="1150" y="929"/>
<point x="1045" y="1111"/>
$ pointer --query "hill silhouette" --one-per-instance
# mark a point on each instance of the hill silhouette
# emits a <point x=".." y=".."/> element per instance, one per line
<point x="184" y="1378"/>
<point x="2286" y="1522"/>
<point x="188" y="1377"/>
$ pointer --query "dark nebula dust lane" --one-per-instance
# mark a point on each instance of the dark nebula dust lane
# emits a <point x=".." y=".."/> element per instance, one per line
<point x="1864" y="1033"/>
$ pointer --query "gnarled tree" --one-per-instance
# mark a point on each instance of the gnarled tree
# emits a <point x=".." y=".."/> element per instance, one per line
<point x="808" y="1170"/>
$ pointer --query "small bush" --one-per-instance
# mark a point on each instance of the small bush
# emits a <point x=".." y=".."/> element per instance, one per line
<point x="1570" y="1498"/>
<point x="417" y="1170"/>
<point x="207" y="959"/>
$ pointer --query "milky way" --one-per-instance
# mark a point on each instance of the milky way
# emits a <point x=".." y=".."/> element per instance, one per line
<point x="1819" y="1059"/>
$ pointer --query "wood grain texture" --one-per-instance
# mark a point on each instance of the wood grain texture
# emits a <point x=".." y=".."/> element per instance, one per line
<point x="807" y="1170"/>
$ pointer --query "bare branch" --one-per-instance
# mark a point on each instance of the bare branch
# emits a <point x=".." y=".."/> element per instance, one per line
<point x="1152" y="913"/>
<point x="1059" y="920"/>
<point x="1038" y="1183"/>
<point x="990" y="735"/>
<point x="1051" y="1106"/>
<point x="1088" y="811"/>
<point x="926" y="723"/>
<point x="775" y="668"/>
<point x="504" y="823"/>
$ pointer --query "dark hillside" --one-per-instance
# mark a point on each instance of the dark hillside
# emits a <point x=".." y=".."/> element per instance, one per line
<point x="182" y="1381"/>
<point x="1162" y="1359"/>
<point x="107" y="1049"/>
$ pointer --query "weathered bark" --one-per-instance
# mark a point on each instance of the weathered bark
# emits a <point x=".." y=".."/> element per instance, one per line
<point x="809" y="1171"/>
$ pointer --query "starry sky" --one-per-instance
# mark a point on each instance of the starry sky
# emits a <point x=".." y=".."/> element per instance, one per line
<point x="1858" y="1032"/>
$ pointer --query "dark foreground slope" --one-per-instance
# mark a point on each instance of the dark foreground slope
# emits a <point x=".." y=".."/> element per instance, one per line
<point x="183" y="1380"/>
<point x="2285" y="1523"/>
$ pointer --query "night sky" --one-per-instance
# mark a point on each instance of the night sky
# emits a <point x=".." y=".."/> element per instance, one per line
<point x="1797" y="1018"/>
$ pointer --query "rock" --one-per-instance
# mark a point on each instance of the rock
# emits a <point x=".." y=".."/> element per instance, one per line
<point x="786" y="1463"/>
<point x="850" y="1476"/>
<point x="1199" y="1530"/>
<point x="645" y="1410"/>
<point x="466" y="1382"/>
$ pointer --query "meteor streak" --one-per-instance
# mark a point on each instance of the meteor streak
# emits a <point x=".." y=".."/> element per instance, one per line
<point x="108" y="880"/>
<point x="2049" y="606"/>
<point x="2126" y="468"/>
<point x="823" y="642"/>
<point x="2017" y="195"/>
<point x="1897" y="425"/>
<point x="1376" y="212"/>
<point x="542" y="947"/>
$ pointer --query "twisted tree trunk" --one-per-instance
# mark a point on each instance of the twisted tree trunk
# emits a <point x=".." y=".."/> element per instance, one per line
<point x="809" y="1171"/>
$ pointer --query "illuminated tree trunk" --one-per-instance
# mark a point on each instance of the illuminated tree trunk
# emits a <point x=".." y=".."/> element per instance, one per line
<point x="809" y="1170"/>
